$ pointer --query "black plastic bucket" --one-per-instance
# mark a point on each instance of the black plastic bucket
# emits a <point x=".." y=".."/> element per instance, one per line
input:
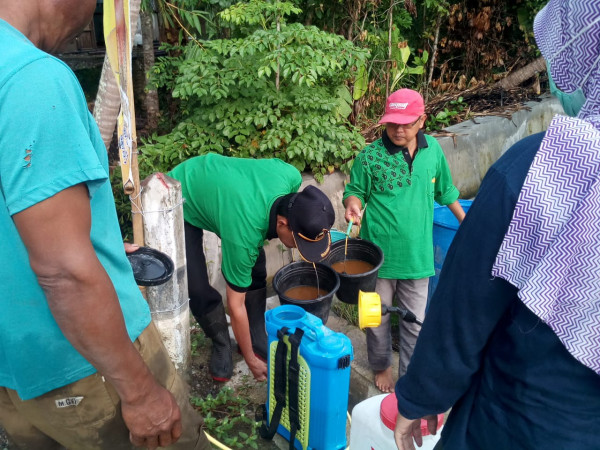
<point x="361" y="250"/>
<point x="303" y="274"/>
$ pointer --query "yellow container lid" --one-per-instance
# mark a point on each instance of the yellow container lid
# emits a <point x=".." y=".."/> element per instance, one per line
<point x="369" y="309"/>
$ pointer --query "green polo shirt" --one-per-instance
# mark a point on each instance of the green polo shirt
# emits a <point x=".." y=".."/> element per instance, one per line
<point x="232" y="197"/>
<point x="399" y="215"/>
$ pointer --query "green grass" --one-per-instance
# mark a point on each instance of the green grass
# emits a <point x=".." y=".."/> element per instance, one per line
<point x="346" y="311"/>
<point x="228" y="418"/>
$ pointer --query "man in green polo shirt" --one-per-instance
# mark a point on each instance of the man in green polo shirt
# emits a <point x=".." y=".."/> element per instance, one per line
<point x="399" y="176"/>
<point x="245" y="202"/>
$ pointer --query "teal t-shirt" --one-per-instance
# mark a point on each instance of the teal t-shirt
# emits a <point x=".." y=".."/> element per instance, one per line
<point x="232" y="197"/>
<point x="399" y="213"/>
<point x="49" y="142"/>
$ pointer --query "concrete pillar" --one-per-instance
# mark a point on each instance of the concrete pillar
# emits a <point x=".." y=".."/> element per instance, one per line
<point x="162" y="205"/>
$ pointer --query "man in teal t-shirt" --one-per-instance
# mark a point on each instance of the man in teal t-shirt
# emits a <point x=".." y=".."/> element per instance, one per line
<point x="244" y="202"/>
<point x="399" y="176"/>
<point x="81" y="364"/>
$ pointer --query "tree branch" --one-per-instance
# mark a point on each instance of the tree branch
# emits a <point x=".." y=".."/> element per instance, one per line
<point x="523" y="74"/>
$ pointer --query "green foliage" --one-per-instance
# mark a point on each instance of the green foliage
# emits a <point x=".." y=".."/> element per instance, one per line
<point x="198" y="340"/>
<point x="263" y="86"/>
<point x="401" y="68"/>
<point x="395" y="55"/>
<point x="192" y="18"/>
<point x="346" y="311"/>
<point x="361" y="83"/>
<point x="258" y="12"/>
<point x="122" y="204"/>
<point x="400" y="53"/>
<point x="525" y="15"/>
<point x="226" y="413"/>
<point x="444" y="118"/>
<point x="272" y="93"/>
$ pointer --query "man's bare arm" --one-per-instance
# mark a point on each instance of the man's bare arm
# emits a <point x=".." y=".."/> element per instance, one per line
<point x="85" y="306"/>
<point x="241" y="330"/>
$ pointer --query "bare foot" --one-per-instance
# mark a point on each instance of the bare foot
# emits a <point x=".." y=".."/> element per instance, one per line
<point x="384" y="380"/>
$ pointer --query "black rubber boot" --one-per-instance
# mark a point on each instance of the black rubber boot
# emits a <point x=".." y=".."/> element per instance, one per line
<point x="256" y="303"/>
<point x="214" y="325"/>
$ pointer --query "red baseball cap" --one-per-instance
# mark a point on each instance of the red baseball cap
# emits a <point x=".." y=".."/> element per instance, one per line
<point x="403" y="106"/>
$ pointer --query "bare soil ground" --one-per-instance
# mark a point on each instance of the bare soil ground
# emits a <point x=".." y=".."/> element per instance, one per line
<point x="3" y="440"/>
<point x="242" y="384"/>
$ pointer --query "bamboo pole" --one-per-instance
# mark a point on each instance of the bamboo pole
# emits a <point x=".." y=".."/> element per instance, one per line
<point x="117" y="32"/>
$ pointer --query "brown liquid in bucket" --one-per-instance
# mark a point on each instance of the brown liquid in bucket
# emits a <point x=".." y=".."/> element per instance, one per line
<point x="305" y="293"/>
<point x="352" y="266"/>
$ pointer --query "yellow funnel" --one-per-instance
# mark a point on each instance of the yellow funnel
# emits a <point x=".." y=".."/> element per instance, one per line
<point x="369" y="309"/>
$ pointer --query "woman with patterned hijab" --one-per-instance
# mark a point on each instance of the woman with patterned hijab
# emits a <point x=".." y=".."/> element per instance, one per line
<point x="512" y="340"/>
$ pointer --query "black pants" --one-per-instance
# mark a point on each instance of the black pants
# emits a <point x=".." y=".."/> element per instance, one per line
<point x="203" y="297"/>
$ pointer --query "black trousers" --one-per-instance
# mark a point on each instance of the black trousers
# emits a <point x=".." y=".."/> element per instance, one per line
<point x="203" y="297"/>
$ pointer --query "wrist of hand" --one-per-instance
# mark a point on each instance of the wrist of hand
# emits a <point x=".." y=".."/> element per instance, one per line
<point x="135" y="389"/>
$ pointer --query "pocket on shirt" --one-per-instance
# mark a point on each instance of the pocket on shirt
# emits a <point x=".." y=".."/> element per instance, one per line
<point x="427" y="180"/>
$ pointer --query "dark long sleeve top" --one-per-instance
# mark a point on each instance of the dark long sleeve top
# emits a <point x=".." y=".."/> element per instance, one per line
<point x="510" y="382"/>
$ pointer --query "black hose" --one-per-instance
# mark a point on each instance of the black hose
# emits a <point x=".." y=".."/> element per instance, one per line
<point x="405" y="314"/>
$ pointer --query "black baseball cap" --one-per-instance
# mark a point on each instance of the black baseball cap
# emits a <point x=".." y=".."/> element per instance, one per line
<point x="311" y="216"/>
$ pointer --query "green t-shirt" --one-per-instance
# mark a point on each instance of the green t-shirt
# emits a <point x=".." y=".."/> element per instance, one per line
<point x="232" y="197"/>
<point x="399" y="215"/>
<point x="49" y="142"/>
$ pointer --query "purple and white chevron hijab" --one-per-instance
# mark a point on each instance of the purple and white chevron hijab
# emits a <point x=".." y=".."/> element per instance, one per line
<point x="551" y="251"/>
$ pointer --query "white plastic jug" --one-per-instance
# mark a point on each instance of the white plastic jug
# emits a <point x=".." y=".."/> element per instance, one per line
<point x="373" y="422"/>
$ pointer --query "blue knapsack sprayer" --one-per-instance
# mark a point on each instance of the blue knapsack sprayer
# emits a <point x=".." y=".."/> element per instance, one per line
<point x="309" y="380"/>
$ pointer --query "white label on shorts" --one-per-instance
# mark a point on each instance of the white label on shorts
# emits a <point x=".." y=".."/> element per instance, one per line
<point x="69" y="401"/>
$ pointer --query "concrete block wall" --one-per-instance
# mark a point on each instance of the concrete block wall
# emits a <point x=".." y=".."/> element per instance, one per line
<point x="471" y="148"/>
<point x="476" y="144"/>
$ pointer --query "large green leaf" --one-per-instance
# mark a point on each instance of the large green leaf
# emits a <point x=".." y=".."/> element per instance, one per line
<point x="344" y="102"/>
<point x="361" y="83"/>
<point x="404" y="54"/>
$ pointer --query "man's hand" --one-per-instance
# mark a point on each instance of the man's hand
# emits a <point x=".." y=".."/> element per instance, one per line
<point x="241" y="329"/>
<point x="353" y="210"/>
<point x="258" y="368"/>
<point x="130" y="248"/>
<point x="153" y="421"/>
<point x="457" y="210"/>
<point x="407" y="429"/>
